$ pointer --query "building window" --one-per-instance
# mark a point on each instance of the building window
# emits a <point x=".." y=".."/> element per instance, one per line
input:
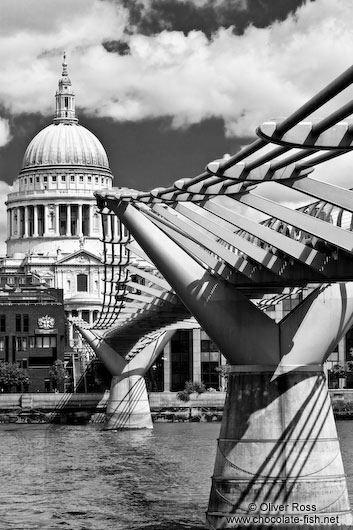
<point x="210" y="362"/>
<point x="96" y="180"/>
<point x="2" y="343"/>
<point x="45" y="179"/>
<point x="21" y="343"/>
<point x="63" y="178"/>
<point x="208" y="345"/>
<point x="31" y="342"/>
<point x="46" y="341"/>
<point x="81" y="178"/>
<point x="53" y="178"/>
<point x="85" y="315"/>
<point x="72" y="178"/>
<point x="25" y="322"/>
<point x="89" y="178"/>
<point x="18" y="323"/>
<point x="2" y="323"/>
<point x="181" y="351"/>
<point x="82" y="282"/>
<point x="37" y="179"/>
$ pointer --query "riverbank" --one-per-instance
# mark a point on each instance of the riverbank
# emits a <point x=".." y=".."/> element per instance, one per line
<point x="80" y="408"/>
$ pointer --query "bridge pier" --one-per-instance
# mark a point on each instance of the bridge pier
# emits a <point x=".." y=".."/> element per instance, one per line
<point x="278" y="455"/>
<point x="128" y="406"/>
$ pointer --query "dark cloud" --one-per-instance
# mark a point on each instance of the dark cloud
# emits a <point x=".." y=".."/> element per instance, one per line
<point x="208" y="16"/>
<point x="116" y="46"/>
<point x="142" y="155"/>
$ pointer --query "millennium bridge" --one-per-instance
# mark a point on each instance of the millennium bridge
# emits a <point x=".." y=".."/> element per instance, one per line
<point x="203" y="255"/>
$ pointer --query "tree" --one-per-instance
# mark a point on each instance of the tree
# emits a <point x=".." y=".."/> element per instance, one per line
<point x="12" y="375"/>
<point x="58" y="373"/>
<point x="190" y="387"/>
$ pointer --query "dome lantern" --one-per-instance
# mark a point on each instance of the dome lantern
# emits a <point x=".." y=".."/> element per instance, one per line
<point x="65" y="99"/>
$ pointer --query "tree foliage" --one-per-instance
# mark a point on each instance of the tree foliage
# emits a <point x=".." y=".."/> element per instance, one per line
<point x="190" y="387"/>
<point x="12" y="375"/>
<point x="58" y="372"/>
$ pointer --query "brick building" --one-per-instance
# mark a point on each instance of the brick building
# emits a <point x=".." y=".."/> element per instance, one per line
<point x="32" y="328"/>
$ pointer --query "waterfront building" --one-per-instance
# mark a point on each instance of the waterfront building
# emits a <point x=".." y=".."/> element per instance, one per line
<point x="32" y="327"/>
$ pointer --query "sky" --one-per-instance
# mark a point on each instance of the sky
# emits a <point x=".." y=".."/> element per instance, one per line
<point x="166" y="85"/>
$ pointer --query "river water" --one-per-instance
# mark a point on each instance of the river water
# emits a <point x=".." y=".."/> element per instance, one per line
<point x="83" y="478"/>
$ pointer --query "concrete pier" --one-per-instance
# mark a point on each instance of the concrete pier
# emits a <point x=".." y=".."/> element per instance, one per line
<point x="128" y="406"/>
<point x="278" y="455"/>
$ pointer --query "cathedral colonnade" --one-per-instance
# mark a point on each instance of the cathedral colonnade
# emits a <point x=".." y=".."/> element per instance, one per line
<point x="57" y="219"/>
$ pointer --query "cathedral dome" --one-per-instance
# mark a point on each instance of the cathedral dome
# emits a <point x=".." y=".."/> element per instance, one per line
<point x="65" y="143"/>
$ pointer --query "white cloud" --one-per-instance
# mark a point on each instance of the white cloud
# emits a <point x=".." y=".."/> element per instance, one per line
<point x="244" y="79"/>
<point x="5" y="189"/>
<point x="5" y="135"/>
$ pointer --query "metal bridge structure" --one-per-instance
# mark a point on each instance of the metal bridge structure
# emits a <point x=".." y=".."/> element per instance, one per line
<point x="140" y="313"/>
<point x="278" y="444"/>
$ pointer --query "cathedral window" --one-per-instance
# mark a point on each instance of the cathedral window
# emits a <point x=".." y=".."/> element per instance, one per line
<point x="85" y="315"/>
<point x="82" y="282"/>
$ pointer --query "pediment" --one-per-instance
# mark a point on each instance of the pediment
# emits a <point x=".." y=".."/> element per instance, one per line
<point x="81" y="257"/>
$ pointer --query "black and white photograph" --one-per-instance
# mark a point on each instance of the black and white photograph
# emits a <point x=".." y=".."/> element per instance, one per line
<point x="176" y="264"/>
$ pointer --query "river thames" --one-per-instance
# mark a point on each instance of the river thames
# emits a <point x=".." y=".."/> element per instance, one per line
<point x="83" y="478"/>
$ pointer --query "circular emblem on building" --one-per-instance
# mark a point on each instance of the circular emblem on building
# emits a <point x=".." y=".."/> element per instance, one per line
<point x="46" y="322"/>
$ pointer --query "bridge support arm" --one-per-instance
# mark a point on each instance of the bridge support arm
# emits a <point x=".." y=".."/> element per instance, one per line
<point x="226" y="315"/>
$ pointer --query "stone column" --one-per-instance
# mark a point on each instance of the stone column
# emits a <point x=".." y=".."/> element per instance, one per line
<point x="46" y="220"/>
<point x="68" y="220"/>
<point x="35" y="221"/>
<point x="79" y="220"/>
<point x="26" y="231"/>
<point x="18" y="222"/>
<point x="57" y="219"/>
<point x="196" y="354"/>
<point x="167" y="367"/>
<point x="90" y="219"/>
